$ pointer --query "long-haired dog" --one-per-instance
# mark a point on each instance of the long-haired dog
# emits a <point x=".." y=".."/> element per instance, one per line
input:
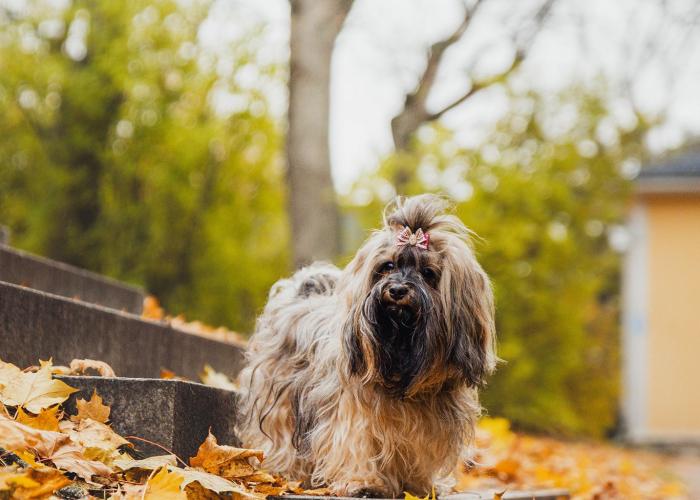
<point x="365" y="379"/>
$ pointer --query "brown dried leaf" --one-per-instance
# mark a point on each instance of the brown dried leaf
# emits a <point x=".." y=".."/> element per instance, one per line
<point x="80" y="366"/>
<point x="17" y="436"/>
<point x="150" y="463"/>
<point x="93" y="409"/>
<point x="212" y="482"/>
<point x="91" y="434"/>
<point x="325" y="492"/>
<point x="225" y="461"/>
<point x="70" y="457"/>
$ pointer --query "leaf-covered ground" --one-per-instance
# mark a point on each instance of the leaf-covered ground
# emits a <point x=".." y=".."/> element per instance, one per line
<point x="45" y="453"/>
<point x="508" y="460"/>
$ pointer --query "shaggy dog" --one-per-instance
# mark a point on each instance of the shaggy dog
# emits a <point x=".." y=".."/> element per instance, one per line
<point x="365" y="379"/>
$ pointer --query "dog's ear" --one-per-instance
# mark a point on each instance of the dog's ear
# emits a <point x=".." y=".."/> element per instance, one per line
<point x="357" y="364"/>
<point x="352" y="289"/>
<point x="469" y="313"/>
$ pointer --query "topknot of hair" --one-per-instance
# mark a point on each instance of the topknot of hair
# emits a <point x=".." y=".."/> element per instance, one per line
<point x="416" y="212"/>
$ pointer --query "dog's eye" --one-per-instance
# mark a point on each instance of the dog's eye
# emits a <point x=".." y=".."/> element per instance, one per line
<point x="386" y="267"/>
<point x="428" y="274"/>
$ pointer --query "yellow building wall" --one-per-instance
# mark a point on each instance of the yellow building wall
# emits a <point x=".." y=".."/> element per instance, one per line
<point x="674" y="316"/>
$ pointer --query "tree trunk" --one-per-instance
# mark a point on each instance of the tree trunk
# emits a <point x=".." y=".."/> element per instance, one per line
<point x="312" y="201"/>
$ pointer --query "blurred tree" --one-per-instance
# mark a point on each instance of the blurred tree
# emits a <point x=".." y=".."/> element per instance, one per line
<point x="312" y="201"/>
<point x="115" y="156"/>
<point x="542" y="194"/>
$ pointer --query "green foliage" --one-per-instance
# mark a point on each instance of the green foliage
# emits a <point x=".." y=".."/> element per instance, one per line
<point x="541" y="204"/>
<point x="112" y="156"/>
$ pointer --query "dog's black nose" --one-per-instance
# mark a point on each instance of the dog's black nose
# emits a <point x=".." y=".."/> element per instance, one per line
<point x="397" y="292"/>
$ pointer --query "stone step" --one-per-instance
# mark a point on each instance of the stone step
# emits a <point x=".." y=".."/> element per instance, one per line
<point x="175" y="414"/>
<point x="22" y="268"/>
<point x="38" y="325"/>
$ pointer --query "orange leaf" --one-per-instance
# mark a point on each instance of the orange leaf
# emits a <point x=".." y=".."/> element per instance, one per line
<point x="93" y="409"/>
<point x="47" y="419"/>
<point x="225" y="461"/>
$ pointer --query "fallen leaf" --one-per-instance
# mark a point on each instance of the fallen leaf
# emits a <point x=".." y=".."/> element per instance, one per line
<point x="211" y="377"/>
<point x="150" y="463"/>
<point x="92" y="434"/>
<point x="93" y="409"/>
<point x="27" y="457"/>
<point x="69" y="457"/>
<point x="17" y="436"/>
<point x="34" y="390"/>
<point x="152" y="309"/>
<point x="408" y="496"/>
<point x="47" y="419"/>
<point x="211" y="482"/>
<point x="128" y="491"/>
<point x="9" y="479"/>
<point x="8" y="371"/>
<point x="270" y="489"/>
<point x="324" y="492"/>
<point x="165" y="485"/>
<point x="225" y="461"/>
<point x="168" y="374"/>
<point x="40" y="483"/>
<point x="79" y="366"/>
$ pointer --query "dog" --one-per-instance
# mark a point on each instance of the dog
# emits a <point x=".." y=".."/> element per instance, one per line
<point x="365" y="379"/>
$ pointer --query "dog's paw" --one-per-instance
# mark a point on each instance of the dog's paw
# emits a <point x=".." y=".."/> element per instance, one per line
<point x="361" y="489"/>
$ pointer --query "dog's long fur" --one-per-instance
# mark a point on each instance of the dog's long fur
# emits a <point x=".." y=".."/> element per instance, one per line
<point x="349" y="388"/>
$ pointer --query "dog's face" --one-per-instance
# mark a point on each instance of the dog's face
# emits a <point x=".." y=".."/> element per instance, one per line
<point x="420" y="317"/>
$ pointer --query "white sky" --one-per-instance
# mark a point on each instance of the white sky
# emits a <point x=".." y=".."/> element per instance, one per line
<point x="381" y="52"/>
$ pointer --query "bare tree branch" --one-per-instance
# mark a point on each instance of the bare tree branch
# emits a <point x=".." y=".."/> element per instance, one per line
<point x="436" y="52"/>
<point x="415" y="113"/>
<point x="476" y="87"/>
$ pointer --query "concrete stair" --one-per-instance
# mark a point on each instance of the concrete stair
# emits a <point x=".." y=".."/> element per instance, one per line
<point x="39" y="273"/>
<point x="175" y="414"/>
<point x="37" y="325"/>
<point x="52" y="310"/>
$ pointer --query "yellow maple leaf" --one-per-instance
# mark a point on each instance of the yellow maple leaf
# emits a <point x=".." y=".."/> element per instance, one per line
<point x="33" y="391"/>
<point x="46" y="420"/>
<point x="93" y="409"/>
<point x="165" y="486"/>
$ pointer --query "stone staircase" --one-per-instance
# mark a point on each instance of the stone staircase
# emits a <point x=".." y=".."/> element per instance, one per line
<point x="53" y="310"/>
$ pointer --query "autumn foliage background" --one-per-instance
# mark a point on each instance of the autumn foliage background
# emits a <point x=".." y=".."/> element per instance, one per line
<point x="116" y="157"/>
